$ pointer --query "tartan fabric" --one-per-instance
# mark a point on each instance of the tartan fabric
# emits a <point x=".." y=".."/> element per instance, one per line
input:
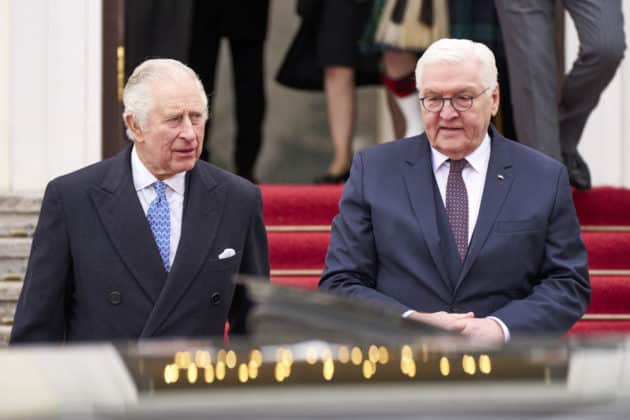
<point x="476" y="20"/>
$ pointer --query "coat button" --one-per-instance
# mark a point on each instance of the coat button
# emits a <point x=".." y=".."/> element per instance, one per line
<point x="114" y="297"/>
<point x="215" y="298"/>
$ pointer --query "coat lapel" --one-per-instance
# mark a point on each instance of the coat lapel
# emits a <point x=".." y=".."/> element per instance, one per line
<point x="419" y="181"/>
<point x="499" y="180"/>
<point x="203" y="208"/>
<point x="118" y="207"/>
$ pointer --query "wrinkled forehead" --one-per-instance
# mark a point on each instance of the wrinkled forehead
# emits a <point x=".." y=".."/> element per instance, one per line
<point x="177" y="94"/>
<point x="451" y="75"/>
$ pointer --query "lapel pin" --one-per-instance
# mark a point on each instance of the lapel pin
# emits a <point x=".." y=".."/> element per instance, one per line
<point x="500" y="177"/>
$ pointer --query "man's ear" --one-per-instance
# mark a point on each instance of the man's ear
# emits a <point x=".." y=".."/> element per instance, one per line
<point x="132" y="124"/>
<point x="495" y="100"/>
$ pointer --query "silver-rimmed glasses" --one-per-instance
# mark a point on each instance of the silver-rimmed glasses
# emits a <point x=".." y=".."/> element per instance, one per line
<point x="459" y="103"/>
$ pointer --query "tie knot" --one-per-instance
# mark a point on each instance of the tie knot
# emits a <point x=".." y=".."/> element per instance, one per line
<point x="160" y="189"/>
<point x="457" y="165"/>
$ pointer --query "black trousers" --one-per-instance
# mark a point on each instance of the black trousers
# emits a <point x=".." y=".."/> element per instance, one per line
<point x="249" y="89"/>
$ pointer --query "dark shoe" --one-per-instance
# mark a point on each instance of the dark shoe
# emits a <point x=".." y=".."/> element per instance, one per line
<point x="579" y="175"/>
<point x="332" y="179"/>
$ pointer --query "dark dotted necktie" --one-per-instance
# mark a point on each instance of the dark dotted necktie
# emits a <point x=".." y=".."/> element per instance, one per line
<point x="457" y="206"/>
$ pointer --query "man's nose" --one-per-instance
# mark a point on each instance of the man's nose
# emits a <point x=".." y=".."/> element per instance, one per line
<point x="448" y="112"/>
<point x="188" y="130"/>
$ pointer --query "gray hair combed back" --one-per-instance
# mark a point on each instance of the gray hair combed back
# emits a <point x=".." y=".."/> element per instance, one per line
<point x="455" y="51"/>
<point x="137" y="96"/>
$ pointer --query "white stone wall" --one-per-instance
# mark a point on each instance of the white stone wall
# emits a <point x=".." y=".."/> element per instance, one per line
<point x="55" y="79"/>
<point x="605" y="142"/>
<point x="5" y="52"/>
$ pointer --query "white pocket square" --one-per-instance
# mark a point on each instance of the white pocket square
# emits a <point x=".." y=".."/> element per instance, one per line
<point x="227" y="253"/>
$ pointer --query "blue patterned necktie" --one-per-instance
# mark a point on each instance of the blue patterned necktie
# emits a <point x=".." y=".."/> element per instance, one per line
<point x="160" y="222"/>
<point x="457" y="206"/>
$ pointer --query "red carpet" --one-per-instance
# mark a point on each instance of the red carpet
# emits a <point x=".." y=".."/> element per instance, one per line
<point x="307" y="250"/>
<point x="298" y="219"/>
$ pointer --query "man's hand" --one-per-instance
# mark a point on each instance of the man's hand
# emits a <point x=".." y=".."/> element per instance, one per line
<point x="485" y="329"/>
<point x="444" y="320"/>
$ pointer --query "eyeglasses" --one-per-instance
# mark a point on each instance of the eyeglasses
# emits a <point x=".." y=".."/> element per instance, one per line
<point x="459" y="103"/>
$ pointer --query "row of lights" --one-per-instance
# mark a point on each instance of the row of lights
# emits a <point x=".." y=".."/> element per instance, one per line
<point x="284" y="362"/>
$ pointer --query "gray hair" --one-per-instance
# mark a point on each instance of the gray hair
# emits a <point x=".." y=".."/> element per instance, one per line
<point x="137" y="96"/>
<point x="455" y="51"/>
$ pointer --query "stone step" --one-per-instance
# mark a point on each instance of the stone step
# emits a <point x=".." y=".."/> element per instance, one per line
<point x="5" y="333"/>
<point x="15" y="248"/>
<point x="12" y="269"/>
<point x="10" y="291"/>
<point x="29" y="203"/>
<point x="7" y="312"/>
<point x="17" y="224"/>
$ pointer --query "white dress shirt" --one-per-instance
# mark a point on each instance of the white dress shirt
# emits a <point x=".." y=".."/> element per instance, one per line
<point x="143" y="181"/>
<point x="474" y="175"/>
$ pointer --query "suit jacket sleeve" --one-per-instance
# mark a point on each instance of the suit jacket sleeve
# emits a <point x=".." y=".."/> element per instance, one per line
<point x="255" y="261"/>
<point x="563" y="291"/>
<point x="351" y="261"/>
<point x="41" y="310"/>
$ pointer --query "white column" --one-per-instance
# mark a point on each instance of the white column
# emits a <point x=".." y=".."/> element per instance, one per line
<point x="56" y="79"/>
<point x="5" y="43"/>
<point x="605" y="142"/>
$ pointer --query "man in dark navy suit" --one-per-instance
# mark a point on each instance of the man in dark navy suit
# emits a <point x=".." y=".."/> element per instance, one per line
<point x="459" y="227"/>
<point x="145" y="244"/>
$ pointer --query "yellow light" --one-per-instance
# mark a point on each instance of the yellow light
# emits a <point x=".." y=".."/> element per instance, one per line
<point x="383" y="355"/>
<point x="253" y="369"/>
<point x="328" y="369"/>
<point x="202" y="358"/>
<point x="311" y="356"/>
<point x="356" y="355"/>
<point x="326" y="354"/>
<point x="279" y="372"/>
<point x="406" y="353"/>
<point x="286" y="357"/>
<point x="192" y="373"/>
<point x="343" y="355"/>
<point x="404" y="365"/>
<point x="220" y="371"/>
<point x="373" y="353"/>
<point x="468" y="364"/>
<point x="221" y="356"/>
<point x="230" y="359"/>
<point x="243" y="373"/>
<point x="547" y="373"/>
<point x="171" y="373"/>
<point x="182" y="359"/>
<point x="445" y="366"/>
<point x="411" y="372"/>
<point x="209" y="374"/>
<point x="485" y="364"/>
<point x="256" y="357"/>
<point x="369" y="369"/>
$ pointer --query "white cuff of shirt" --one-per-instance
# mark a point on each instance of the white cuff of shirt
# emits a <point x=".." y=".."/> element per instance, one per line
<point x="506" y="331"/>
<point x="407" y="313"/>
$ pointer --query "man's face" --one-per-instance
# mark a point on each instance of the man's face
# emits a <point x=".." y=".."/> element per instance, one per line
<point x="172" y="139"/>
<point x="453" y="133"/>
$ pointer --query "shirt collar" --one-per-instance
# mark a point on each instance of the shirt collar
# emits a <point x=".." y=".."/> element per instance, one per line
<point x="143" y="178"/>
<point x="478" y="159"/>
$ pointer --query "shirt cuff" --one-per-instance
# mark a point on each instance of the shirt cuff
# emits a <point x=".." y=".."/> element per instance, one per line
<point x="506" y="331"/>
<point x="407" y="313"/>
